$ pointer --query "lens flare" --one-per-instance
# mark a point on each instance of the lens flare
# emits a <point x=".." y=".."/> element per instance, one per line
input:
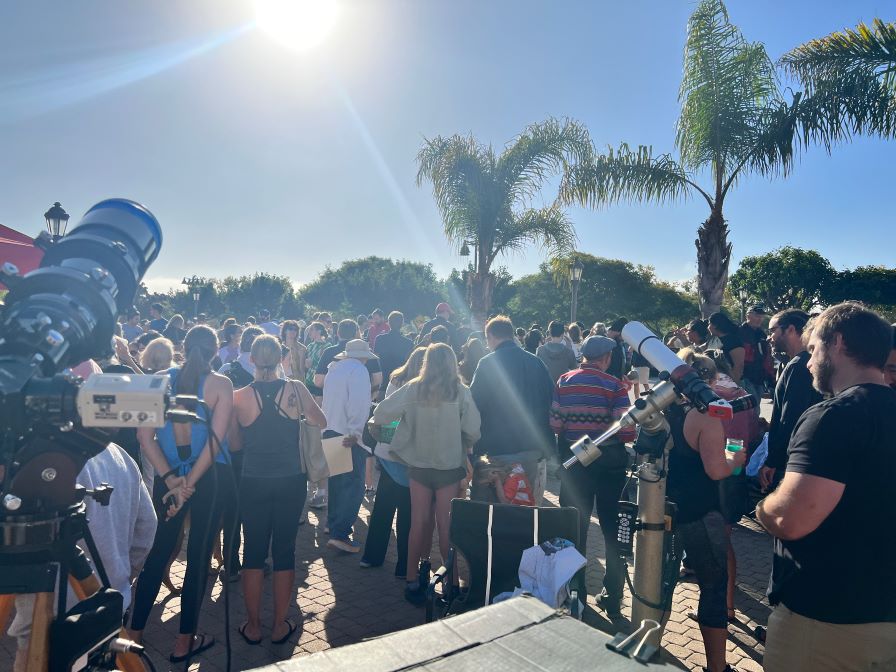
<point x="297" y="24"/>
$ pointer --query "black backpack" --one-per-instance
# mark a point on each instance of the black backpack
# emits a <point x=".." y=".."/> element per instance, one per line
<point x="238" y="375"/>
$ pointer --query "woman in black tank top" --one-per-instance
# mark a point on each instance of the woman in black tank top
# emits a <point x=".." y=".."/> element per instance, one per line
<point x="273" y="487"/>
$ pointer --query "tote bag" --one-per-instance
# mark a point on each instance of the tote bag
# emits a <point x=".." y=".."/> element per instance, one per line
<point x="314" y="463"/>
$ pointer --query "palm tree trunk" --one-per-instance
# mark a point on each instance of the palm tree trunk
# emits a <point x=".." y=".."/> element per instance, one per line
<point x="713" y="257"/>
<point x="481" y="297"/>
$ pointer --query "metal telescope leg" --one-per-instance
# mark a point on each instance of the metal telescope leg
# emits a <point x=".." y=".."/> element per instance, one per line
<point x="649" y="540"/>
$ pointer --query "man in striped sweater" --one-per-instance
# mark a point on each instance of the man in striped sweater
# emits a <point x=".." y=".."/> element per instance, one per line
<point x="587" y="401"/>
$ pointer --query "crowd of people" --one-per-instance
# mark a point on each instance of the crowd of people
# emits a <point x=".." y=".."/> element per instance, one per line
<point x="447" y="411"/>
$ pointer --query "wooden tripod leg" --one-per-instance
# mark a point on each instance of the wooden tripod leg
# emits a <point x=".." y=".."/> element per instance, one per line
<point x="39" y="646"/>
<point x="7" y="602"/>
<point x="84" y="588"/>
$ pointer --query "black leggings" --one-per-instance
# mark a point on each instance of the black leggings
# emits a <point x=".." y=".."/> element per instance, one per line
<point x="205" y="519"/>
<point x="270" y="509"/>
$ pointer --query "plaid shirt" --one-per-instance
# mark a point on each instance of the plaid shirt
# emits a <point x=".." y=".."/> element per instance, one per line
<point x="588" y="401"/>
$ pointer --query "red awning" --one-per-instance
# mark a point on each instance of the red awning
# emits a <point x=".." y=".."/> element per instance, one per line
<point x="17" y="248"/>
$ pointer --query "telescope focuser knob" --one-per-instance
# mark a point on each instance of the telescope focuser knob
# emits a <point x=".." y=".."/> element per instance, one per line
<point x="640" y="404"/>
<point x="101" y="494"/>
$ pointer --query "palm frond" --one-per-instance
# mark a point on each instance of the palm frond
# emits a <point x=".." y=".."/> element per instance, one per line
<point x="548" y="227"/>
<point x="773" y="147"/>
<point x="461" y="172"/>
<point x="626" y="175"/>
<point x="862" y="49"/>
<point x="541" y="150"/>
<point x="727" y="85"/>
<point x="851" y="80"/>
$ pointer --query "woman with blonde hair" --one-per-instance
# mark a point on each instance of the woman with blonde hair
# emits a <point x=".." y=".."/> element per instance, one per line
<point x="393" y="496"/>
<point x="439" y="425"/>
<point x="273" y="486"/>
<point x="157" y="355"/>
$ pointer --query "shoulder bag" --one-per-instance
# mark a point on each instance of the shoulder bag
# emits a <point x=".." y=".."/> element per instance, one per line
<point x="314" y="463"/>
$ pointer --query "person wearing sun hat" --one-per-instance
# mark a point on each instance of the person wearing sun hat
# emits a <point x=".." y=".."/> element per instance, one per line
<point x="443" y="318"/>
<point x="346" y="404"/>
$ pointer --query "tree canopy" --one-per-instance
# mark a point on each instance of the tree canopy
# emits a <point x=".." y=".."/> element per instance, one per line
<point x="360" y="285"/>
<point x="609" y="288"/>
<point x="789" y="277"/>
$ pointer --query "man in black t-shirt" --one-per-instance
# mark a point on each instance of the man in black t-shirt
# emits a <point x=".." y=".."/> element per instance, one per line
<point x="833" y="584"/>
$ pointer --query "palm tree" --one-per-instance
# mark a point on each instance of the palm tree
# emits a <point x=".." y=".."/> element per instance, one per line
<point x="733" y="122"/>
<point x="850" y="81"/>
<point x="485" y="199"/>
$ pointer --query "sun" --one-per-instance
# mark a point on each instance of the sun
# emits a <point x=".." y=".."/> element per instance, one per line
<point x="297" y="24"/>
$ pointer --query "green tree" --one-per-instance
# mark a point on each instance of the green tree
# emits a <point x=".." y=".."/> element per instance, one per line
<point x="788" y="277"/>
<point x="850" y="81"/>
<point x="248" y="294"/>
<point x="609" y="288"/>
<point x="733" y="122"/>
<point x="360" y="285"/>
<point x="485" y="198"/>
<point x="874" y="286"/>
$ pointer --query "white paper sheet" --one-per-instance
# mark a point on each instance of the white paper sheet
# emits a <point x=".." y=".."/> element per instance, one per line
<point x="339" y="458"/>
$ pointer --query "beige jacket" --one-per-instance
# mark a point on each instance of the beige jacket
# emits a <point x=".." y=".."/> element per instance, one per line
<point x="430" y="436"/>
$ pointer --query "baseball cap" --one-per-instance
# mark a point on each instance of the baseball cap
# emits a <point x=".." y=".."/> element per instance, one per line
<point x="597" y="346"/>
<point x="759" y="309"/>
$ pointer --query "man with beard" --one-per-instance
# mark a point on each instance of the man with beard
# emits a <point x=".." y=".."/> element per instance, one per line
<point x="793" y="393"/>
<point x="833" y="588"/>
<point x="890" y="368"/>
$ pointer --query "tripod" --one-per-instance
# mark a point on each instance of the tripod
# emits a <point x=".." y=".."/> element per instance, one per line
<point x="39" y="552"/>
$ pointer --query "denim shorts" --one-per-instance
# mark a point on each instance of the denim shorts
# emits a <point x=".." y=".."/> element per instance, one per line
<point x="706" y="544"/>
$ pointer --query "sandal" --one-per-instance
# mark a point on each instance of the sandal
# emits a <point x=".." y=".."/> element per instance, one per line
<point x="242" y="631"/>
<point x="292" y="628"/>
<point x="205" y="643"/>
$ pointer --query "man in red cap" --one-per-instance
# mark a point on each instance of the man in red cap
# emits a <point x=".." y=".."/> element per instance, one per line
<point x="442" y="318"/>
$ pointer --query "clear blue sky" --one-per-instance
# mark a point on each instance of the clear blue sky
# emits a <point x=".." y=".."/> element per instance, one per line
<point x="255" y="157"/>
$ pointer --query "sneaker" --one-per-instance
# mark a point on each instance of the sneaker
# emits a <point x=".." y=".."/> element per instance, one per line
<point x="366" y="565"/>
<point x="346" y="545"/>
<point x="319" y="500"/>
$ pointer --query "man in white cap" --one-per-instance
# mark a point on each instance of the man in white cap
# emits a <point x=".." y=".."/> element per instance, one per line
<point x="346" y="404"/>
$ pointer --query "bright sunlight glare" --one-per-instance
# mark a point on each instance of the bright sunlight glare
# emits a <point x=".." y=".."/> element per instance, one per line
<point x="297" y="24"/>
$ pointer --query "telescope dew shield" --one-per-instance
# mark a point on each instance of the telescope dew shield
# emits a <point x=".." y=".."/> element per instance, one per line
<point x="65" y="310"/>
<point x="687" y="382"/>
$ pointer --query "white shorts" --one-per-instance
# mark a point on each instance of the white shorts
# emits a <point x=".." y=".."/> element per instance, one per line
<point x="643" y="374"/>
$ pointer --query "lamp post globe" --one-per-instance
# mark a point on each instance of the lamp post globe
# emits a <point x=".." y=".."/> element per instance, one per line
<point x="57" y="220"/>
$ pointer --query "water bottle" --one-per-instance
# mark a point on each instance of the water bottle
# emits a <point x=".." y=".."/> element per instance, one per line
<point x="734" y="445"/>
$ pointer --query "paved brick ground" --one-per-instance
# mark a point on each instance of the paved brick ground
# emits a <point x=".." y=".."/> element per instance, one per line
<point x="343" y="604"/>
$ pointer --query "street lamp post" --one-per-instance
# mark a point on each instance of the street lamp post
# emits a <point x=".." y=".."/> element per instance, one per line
<point x="465" y="252"/>
<point x="194" y="284"/>
<point x="743" y="296"/>
<point x="575" y="277"/>
<point x="57" y="220"/>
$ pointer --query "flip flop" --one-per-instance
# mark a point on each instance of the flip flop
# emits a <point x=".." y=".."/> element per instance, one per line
<point x="292" y="628"/>
<point x="242" y="631"/>
<point x="205" y="644"/>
